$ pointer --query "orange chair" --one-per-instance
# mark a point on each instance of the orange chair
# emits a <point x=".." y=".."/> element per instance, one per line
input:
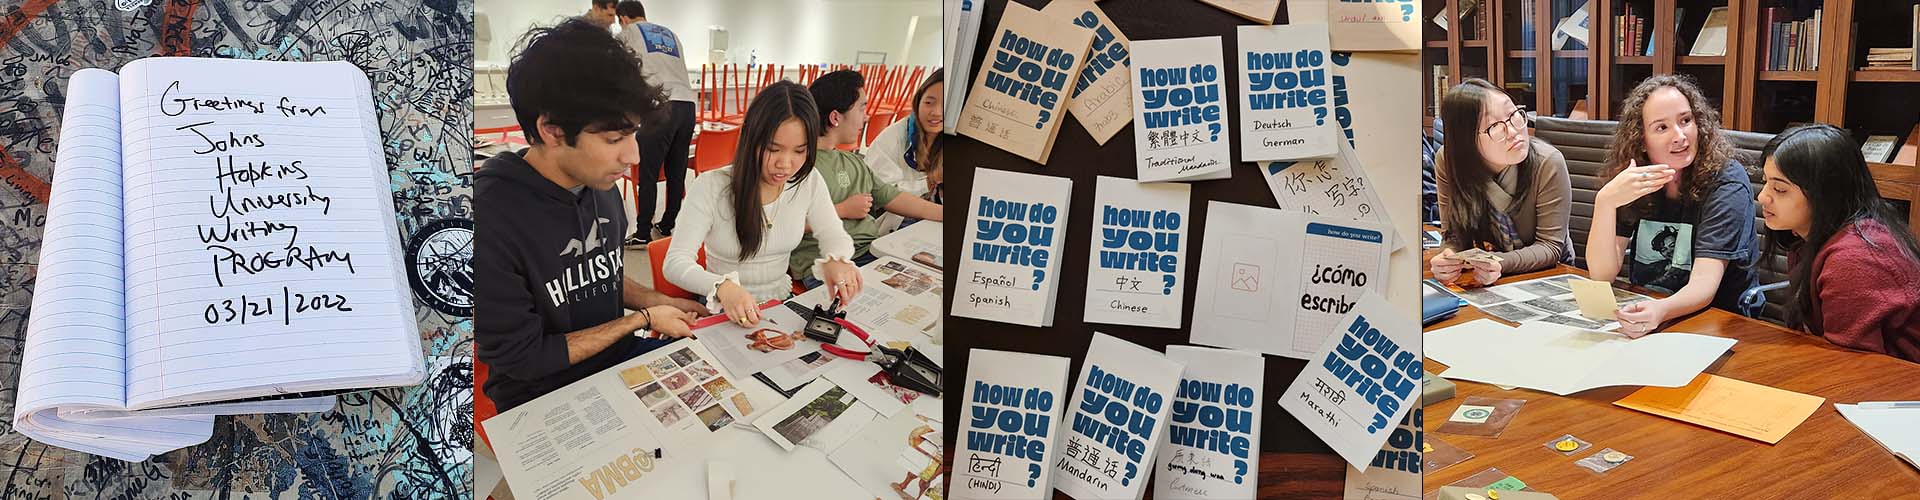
<point x="506" y="134"/>
<point x="483" y="408"/>
<point x="714" y="148"/>
<point x="657" y="257"/>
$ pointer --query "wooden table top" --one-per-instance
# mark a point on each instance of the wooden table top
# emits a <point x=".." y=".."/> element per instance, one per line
<point x="1825" y="457"/>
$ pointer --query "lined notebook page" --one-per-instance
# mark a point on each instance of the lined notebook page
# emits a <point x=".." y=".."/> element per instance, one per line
<point x="260" y="251"/>
<point x="73" y="351"/>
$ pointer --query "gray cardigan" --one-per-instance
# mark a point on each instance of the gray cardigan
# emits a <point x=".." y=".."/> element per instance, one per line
<point x="1539" y="212"/>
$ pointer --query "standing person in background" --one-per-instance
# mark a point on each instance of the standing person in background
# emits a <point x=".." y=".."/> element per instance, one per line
<point x="666" y="146"/>
<point x="600" y="13"/>
<point x="1853" y="266"/>
<point x="1680" y="206"/>
<point x="1500" y="190"/>
<point x="858" y="194"/>
<point x="751" y="215"/>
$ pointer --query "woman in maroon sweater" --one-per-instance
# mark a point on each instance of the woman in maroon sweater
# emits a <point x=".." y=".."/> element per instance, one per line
<point x="1855" y="268"/>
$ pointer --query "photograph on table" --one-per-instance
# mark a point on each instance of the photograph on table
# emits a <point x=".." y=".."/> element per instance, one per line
<point x="1267" y="170"/>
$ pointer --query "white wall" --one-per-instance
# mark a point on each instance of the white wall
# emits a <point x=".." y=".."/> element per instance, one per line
<point x="776" y="31"/>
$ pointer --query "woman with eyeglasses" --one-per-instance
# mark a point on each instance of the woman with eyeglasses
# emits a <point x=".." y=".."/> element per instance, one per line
<point x="1500" y="189"/>
<point x="1852" y="264"/>
<point x="1680" y="205"/>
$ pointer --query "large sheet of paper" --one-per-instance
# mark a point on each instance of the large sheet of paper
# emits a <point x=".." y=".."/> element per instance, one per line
<point x="1010" y="263"/>
<point x="1137" y="264"/>
<point x="1564" y="360"/>
<point x="1013" y="403"/>
<point x="1020" y="97"/>
<point x="1891" y="427"/>
<point x="1361" y="381"/>
<point x="1276" y="282"/>
<point x="1363" y="25"/>
<point x="1179" y="116"/>
<point x="1736" y="406"/>
<point x="1212" y="444"/>
<point x="1395" y="471"/>
<point x="1286" y="94"/>
<point x="597" y="438"/>
<point x="1102" y="94"/>
<point x="1120" y="407"/>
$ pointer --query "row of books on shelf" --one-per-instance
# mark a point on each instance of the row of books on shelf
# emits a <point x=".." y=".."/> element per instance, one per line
<point x="1792" y="44"/>
<point x="1896" y="58"/>
<point x="1440" y="85"/>
<point x="1630" y="35"/>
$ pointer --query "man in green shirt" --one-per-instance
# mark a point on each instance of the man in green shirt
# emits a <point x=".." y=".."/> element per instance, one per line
<point x="859" y="197"/>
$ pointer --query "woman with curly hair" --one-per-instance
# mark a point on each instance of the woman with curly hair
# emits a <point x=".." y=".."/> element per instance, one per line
<point x="1673" y="174"/>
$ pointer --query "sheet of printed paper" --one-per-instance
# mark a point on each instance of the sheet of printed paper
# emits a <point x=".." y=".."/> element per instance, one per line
<point x="1010" y="261"/>
<point x="1361" y="381"/>
<point x="1119" y="411"/>
<point x="1261" y="11"/>
<point x="1743" y="408"/>
<point x="731" y="345"/>
<point x="1286" y="94"/>
<point x="1020" y="97"/>
<point x="1276" y="282"/>
<point x="1136" y="266"/>
<point x="1179" y="116"/>
<point x="1212" y="444"/>
<point x="1336" y="187"/>
<point x="821" y="416"/>
<point x="1363" y="25"/>
<point x="1013" y="404"/>
<point x="1395" y="471"/>
<point x="1103" y="93"/>
<point x="900" y="299"/>
<point x="596" y="438"/>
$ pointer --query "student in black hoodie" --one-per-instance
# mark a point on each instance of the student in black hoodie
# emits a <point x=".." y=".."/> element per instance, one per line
<point x="552" y="296"/>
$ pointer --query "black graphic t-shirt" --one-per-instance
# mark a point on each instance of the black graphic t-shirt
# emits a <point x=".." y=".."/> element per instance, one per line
<point x="1665" y="242"/>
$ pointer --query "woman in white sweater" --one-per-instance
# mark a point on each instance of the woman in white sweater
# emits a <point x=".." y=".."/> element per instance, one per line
<point x="751" y="215"/>
<point x="907" y="152"/>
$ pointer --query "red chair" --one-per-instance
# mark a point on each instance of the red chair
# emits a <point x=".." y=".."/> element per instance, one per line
<point x="483" y="408"/>
<point x="506" y="134"/>
<point x="657" y="257"/>
<point x="714" y="148"/>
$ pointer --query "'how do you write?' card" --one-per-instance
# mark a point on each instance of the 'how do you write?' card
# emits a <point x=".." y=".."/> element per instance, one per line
<point x="1135" y="266"/>
<point x="1212" y="444"/>
<point x="1010" y="263"/>
<point x="1286" y="99"/>
<point x="1119" y="411"/>
<point x="1179" y="116"/>
<point x="1013" y="406"/>
<point x="1102" y="94"/>
<point x="1360" y="381"/>
<point x="1276" y="282"/>
<point x="1020" y="97"/>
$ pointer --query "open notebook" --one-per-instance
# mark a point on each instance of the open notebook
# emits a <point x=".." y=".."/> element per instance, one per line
<point x="220" y="240"/>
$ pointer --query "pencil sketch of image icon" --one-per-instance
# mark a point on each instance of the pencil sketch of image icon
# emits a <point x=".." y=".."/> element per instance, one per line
<point x="1246" y="277"/>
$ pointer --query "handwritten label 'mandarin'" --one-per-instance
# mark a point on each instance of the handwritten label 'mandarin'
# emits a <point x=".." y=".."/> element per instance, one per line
<point x="261" y="194"/>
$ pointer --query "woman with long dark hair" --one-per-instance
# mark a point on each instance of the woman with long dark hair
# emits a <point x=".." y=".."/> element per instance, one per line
<point x="751" y="215"/>
<point x="1853" y="266"/>
<point x="908" y="152"/>
<point x="1673" y="173"/>
<point x="1500" y="190"/>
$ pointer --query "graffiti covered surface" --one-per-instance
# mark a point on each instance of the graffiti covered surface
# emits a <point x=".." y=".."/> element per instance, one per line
<point x="396" y="443"/>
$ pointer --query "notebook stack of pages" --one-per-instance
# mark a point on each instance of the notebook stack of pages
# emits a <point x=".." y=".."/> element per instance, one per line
<point x="220" y="240"/>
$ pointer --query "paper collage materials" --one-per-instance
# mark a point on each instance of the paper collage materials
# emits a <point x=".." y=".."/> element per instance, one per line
<point x="1212" y="445"/>
<point x="1564" y="360"/>
<point x="1551" y="300"/>
<point x="1277" y="282"/>
<point x="1286" y="95"/>
<point x="1594" y="297"/>
<point x="1336" y="187"/>
<point x="596" y="438"/>
<point x="1102" y="96"/>
<point x="1891" y="427"/>
<point x="1363" y="25"/>
<point x="1395" y="470"/>
<point x="1743" y="408"/>
<point x="1180" y="117"/>
<point x="1119" y="411"/>
<point x="1013" y="406"/>
<point x="1261" y="11"/>
<point x="1137" y="264"/>
<point x="1020" y="97"/>
<point x="732" y="346"/>
<point x="821" y="416"/>
<point x="1362" y="379"/>
<point x="1010" y="265"/>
